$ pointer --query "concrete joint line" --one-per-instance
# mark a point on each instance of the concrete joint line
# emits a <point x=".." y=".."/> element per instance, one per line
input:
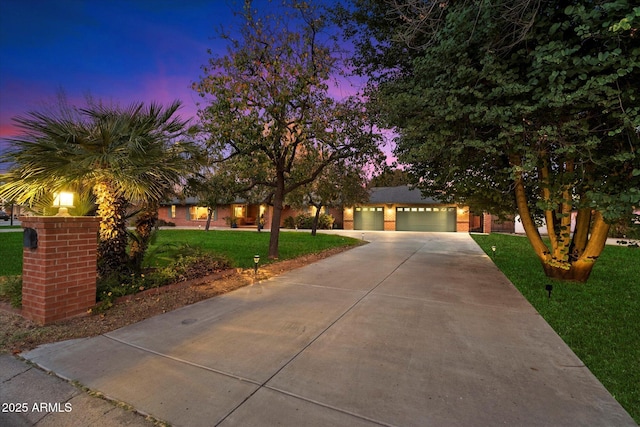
<point x="322" y="332"/>
<point x="186" y="362"/>
<point x="324" y="405"/>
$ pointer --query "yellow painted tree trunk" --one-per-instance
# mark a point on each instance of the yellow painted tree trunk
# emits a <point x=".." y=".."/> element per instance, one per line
<point x="112" y="244"/>
<point x="567" y="258"/>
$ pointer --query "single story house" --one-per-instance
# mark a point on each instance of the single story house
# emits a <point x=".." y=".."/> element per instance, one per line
<point x="399" y="208"/>
<point x="188" y="212"/>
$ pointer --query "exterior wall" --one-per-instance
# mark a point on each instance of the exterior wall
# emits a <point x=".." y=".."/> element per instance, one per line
<point x="182" y="215"/>
<point x="59" y="276"/>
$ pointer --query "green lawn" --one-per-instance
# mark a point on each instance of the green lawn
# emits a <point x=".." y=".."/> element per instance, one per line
<point x="599" y="320"/>
<point x="10" y="254"/>
<point x="237" y="246"/>
<point x="241" y="246"/>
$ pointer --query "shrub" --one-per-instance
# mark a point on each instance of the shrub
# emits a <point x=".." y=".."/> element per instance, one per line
<point x="305" y="221"/>
<point x="189" y="262"/>
<point x="11" y="288"/>
<point x="289" y="222"/>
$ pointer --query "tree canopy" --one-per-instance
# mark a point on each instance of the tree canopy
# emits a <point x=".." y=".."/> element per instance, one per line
<point x="268" y="106"/>
<point x="527" y="105"/>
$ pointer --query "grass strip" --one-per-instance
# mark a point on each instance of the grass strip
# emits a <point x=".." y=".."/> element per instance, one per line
<point x="10" y="253"/>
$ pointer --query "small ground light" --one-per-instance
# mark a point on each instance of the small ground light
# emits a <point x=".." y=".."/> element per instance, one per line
<point x="493" y="251"/>
<point x="256" y="260"/>
<point x="549" y="288"/>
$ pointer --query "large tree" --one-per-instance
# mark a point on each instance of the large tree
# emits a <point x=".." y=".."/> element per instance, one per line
<point x="126" y="155"/>
<point x="527" y="105"/>
<point x="268" y="105"/>
<point x="340" y="184"/>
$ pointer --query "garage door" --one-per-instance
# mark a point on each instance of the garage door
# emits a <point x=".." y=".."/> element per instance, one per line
<point x="426" y="219"/>
<point x="368" y="218"/>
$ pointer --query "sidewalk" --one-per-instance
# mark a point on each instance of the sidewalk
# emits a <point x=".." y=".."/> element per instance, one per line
<point x="33" y="397"/>
<point x="412" y="329"/>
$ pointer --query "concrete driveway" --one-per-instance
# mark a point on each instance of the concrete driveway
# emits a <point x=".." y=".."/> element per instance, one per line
<point x="413" y="329"/>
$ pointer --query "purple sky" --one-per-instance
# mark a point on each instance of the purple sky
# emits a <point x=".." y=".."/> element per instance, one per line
<point x="115" y="50"/>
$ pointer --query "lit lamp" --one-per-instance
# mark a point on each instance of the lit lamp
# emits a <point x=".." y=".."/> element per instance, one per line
<point x="493" y="249"/>
<point x="63" y="201"/>
<point x="256" y="260"/>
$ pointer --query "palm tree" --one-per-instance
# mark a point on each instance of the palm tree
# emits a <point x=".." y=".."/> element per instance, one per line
<point x="126" y="155"/>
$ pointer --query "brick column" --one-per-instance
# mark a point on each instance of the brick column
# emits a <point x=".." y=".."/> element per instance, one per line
<point x="462" y="219"/>
<point x="59" y="276"/>
<point x="487" y="220"/>
<point x="390" y="218"/>
<point x="347" y="219"/>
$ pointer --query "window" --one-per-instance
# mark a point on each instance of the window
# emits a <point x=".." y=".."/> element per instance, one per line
<point x="198" y="213"/>
<point x="173" y="211"/>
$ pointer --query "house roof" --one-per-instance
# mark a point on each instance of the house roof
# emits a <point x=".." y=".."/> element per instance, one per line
<point x="400" y="194"/>
<point x="194" y="201"/>
<point x="396" y="195"/>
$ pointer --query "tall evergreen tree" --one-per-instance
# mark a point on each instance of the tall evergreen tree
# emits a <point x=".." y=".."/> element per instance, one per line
<point x="527" y="105"/>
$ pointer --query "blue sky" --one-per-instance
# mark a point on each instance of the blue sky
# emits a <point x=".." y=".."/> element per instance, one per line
<point x="120" y="50"/>
<point x="115" y="50"/>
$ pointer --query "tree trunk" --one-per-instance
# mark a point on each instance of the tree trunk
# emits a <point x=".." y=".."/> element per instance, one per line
<point x="112" y="245"/>
<point x="278" y="204"/>
<point x="577" y="266"/>
<point x="314" y="226"/>
<point x="579" y="271"/>
<point x="530" y="228"/>
<point x="145" y="225"/>
<point x="209" y="215"/>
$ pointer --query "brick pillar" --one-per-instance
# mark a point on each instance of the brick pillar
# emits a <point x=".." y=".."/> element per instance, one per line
<point x="347" y="218"/>
<point x="390" y="218"/>
<point x="462" y="219"/>
<point x="487" y="220"/>
<point x="59" y="276"/>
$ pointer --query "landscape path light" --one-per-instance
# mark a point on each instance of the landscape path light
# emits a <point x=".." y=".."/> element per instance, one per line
<point x="63" y="200"/>
<point x="493" y="250"/>
<point x="256" y="260"/>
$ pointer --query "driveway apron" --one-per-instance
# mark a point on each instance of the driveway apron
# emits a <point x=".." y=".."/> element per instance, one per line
<point x="412" y="329"/>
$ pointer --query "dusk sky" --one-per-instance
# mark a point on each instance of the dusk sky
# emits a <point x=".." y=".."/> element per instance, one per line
<point x="114" y="50"/>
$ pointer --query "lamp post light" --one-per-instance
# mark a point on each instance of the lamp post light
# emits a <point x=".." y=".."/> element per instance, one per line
<point x="63" y="200"/>
<point x="256" y="260"/>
